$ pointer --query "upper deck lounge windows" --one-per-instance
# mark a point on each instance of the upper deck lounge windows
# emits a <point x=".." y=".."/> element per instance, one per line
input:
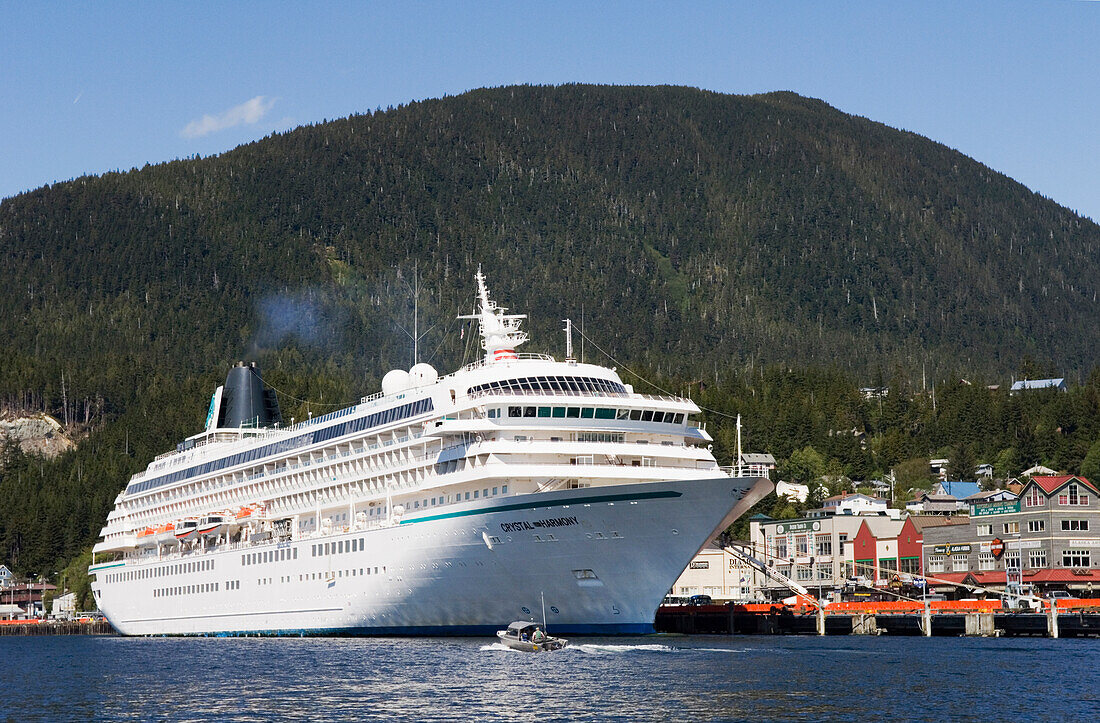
<point x="549" y="385"/>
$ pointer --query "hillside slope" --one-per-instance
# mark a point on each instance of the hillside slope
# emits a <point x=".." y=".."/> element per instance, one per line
<point x="692" y="232"/>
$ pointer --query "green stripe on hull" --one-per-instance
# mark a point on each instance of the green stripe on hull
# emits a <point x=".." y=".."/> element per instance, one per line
<point x="557" y="503"/>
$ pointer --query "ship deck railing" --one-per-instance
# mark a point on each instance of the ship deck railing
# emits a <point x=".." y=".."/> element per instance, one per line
<point x="572" y="393"/>
<point x="747" y="470"/>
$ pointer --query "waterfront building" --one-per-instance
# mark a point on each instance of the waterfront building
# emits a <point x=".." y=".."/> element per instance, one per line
<point x="1051" y="534"/>
<point x="816" y="552"/>
<point x="6" y="577"/>
<point x="27" y="595"/>
<point x="725" y="577"/>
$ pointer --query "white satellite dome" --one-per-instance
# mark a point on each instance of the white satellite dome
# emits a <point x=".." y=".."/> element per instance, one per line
<point x="423" y="374"/>
<point x="395" y="381"/>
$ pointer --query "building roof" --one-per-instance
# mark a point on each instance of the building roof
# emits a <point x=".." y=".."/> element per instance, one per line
<point x="757" y="458"/>
<point x="1052" y="483"/>
<point x="921" y="522"/>
<point x="987" y="494"/>
<point x="958" y="488"/>
<point x="1038" y="384"/>
<point x="1038" y="469"/>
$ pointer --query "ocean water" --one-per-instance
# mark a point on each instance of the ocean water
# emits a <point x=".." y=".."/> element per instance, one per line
<point x="653" y="678"/>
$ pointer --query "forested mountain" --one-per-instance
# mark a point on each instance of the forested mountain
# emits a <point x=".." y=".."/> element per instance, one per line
<point x="697" y="235"/>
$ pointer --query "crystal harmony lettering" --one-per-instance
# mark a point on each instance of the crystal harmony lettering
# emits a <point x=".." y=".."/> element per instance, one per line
<point x="538" y="524"/>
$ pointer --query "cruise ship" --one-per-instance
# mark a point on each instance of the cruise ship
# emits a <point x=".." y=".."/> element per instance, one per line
<point x="441" y="505"/>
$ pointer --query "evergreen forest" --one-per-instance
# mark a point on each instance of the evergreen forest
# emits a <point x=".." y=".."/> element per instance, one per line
<point x="768" y="255"/>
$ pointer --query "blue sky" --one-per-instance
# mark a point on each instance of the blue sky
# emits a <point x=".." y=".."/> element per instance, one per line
<point x="95" y="87"/>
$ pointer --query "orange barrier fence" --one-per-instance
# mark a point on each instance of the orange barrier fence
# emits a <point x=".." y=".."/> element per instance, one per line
<point x="898" y="607"/>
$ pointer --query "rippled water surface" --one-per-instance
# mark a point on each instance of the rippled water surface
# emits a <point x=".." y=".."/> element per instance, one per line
<point x="654" y="678"/>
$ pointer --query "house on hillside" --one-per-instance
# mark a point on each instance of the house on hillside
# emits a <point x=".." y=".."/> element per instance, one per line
<point x="853" y="504"/>
<point x="1038" y="470"/>
<point x="930" y="503"/>
<point x="6" y="578"/>
<point x="1027" y="385"/>
<point x="958" y="489"/>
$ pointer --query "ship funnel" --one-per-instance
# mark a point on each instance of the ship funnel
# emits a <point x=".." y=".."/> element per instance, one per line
<point x="245" y="401"/>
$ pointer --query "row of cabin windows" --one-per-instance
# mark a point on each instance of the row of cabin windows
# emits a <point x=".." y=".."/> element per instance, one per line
<point x="258" y="558"/>
<point x="338" y="547"/>
<point x="198" y="589"/>
<point x="636" y="415"/>
<point x="152" y="572"/>
<point x="550" y="384"/>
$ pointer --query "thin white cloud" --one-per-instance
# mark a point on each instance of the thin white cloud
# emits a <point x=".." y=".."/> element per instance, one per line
<point x="251" y="111"/>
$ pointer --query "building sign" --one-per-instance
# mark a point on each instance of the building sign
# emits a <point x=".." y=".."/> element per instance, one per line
<point x="1024" y="544"/>
<point x="994" y="508"/>
<point x="1084" y="543"/>
<point x="699" y="565"/>
<point x="808" y="526"/>
<point x="951" y="550"/>
<point x="997" y="548"/>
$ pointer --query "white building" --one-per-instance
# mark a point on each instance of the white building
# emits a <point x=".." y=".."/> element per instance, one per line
<point x="64" y="606"/>
<point x="719" y="574"/>
<point x="6" y="578"/>
<point x="853" y="504"/>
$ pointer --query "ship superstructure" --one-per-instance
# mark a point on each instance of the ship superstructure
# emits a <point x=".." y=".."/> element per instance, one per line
<point x="440" y="504"/>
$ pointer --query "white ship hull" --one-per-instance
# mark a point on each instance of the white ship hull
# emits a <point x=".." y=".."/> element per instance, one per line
<point x="603" y="557"/>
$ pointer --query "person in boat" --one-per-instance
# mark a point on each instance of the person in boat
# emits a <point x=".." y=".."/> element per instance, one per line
<point x="538" y="636"/>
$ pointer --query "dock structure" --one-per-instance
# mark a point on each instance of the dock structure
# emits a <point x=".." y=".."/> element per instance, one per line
<point x="978" y="618"/>
<point x="34" y="626"/>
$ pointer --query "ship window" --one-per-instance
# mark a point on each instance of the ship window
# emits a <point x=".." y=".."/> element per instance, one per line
<point x="647" y="415"/>
<point x="573" y="412"/>
<point x="605" y="414"/>
<point x="587" y="412"/>
<point x="635" y="414"/>
<point x="544" y="411"/>
<point x="327" y="548"/>
<point x="515" y="411"/>
<point x="558" y="412"/>
<point x="622" y="414"/>
<point x="467" y="495"/>
<point x="494" y="490"/>
<point x="475" y="494"/>
<point x="295" y="553"/>
<point x="504" y="489"/>
<point x="528" y="411"/>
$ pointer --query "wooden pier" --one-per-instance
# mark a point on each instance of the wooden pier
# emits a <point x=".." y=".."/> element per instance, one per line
<point x="978" y="618"/>
<point x="85" y="626"/>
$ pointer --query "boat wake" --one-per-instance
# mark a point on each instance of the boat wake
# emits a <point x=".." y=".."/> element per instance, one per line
<point x="593" y="649"/>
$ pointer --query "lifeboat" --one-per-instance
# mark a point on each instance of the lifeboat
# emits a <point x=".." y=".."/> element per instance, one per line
<point x="186" y="529"/>
<point x="213" y="526"/>
<point x="147" y="537"/>
<point x="166" y="534"/>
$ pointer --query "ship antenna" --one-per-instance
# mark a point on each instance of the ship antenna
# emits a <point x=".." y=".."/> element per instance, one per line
<point x="500" y="332"/>
<point x="568" y="340"/>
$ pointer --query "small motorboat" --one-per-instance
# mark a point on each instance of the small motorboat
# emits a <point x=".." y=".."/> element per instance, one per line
<point x="529" y="637"/>
<point x="186" y="529"/>
<point x="147" y="537"/>
<point x="166" y="534"/>
<point x="212" y="526"/>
